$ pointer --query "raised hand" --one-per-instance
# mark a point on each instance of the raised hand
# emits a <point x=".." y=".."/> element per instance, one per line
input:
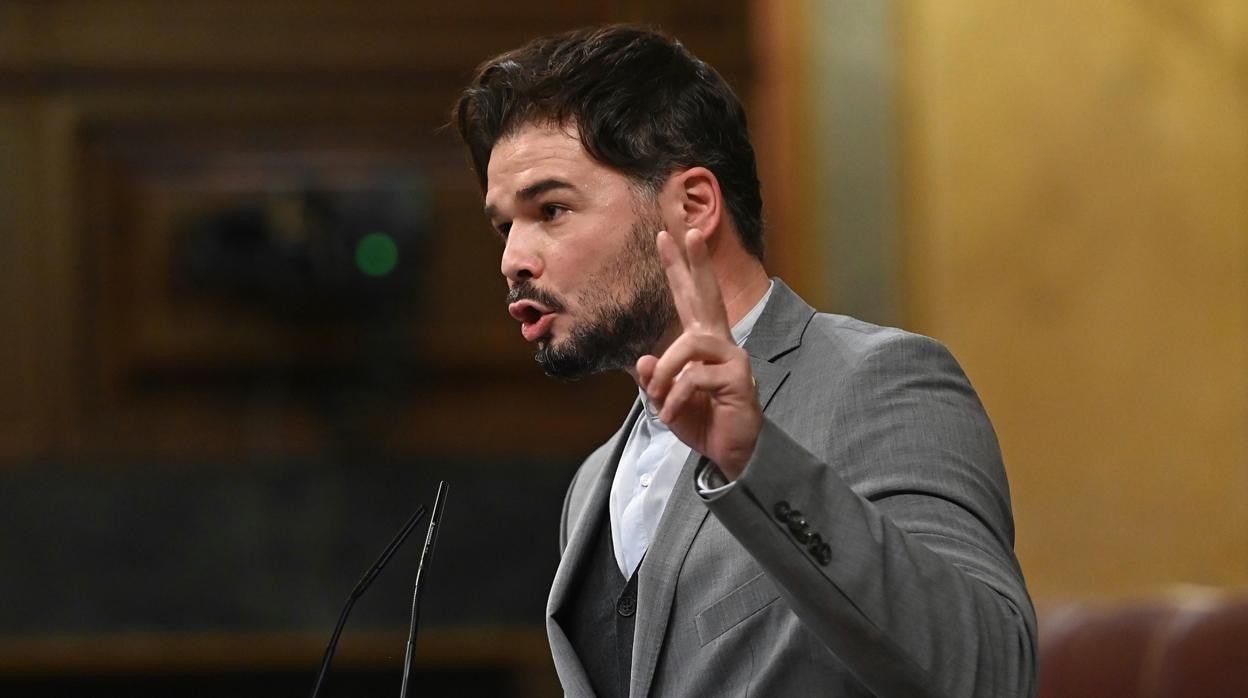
<point x="702" y="383"/>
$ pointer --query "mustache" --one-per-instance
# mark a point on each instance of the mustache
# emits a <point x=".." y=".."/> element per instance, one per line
<point x="526" y="291"/>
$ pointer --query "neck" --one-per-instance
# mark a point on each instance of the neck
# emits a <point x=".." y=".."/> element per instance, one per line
<point x="742" y="287"/>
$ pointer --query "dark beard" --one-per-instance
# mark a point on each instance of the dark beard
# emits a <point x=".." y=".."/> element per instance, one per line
<point x="623" y="329"/>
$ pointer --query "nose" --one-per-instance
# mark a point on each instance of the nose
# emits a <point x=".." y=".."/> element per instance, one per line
<point x="521" y="260"/>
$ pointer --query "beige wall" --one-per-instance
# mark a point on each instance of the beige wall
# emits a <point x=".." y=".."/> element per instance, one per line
<point x="1074" y="179"/>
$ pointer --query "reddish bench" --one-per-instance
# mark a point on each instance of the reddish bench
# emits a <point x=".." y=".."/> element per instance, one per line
<point x="1194" y="647"/>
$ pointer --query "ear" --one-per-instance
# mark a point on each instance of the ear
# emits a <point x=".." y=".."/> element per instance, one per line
<point x="694" y="200"/>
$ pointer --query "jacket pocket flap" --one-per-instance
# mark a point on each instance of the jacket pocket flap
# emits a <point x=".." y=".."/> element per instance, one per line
<point x="739" y="604"/>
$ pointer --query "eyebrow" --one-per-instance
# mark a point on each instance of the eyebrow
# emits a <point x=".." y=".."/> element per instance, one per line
<point x="533" y="191"/>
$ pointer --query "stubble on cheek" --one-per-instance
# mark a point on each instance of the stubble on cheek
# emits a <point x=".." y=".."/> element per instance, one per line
<point x="625" y="309"/>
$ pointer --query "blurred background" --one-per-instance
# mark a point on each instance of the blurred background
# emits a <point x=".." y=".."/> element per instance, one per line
<point x="250" y="311"/>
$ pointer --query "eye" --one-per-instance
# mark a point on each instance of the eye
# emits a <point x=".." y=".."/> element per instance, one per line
<point x="552" y="211"/>
<point x="503" y="229"/>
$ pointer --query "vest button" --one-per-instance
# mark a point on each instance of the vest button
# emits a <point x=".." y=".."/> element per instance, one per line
<point x="627" y="605"/>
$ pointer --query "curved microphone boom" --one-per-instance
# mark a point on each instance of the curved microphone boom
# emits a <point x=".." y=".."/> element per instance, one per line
<point x="359" y="589"/>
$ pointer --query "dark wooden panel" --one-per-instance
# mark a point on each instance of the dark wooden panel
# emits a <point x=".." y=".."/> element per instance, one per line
<point x="131" y="113"/>
<point x="247" y="35"/>
<point x="482" y="647"/>
<point x="198" y="458"/>
<point x="271" y="545"/>
<point x="19" y="280"/>
<point x="154" y="357"/>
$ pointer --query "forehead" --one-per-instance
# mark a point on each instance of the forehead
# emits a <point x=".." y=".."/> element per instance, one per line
<point x="540" y="152"/>
<point x="533" y="145"/>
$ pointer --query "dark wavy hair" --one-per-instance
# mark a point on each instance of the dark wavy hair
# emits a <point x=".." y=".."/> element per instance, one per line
<point x="641" y="102"/>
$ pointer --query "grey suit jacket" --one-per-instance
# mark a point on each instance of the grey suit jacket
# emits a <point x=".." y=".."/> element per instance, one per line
<point x="877" y="438"/>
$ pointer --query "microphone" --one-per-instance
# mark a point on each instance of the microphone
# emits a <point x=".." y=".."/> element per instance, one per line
<point x="431" y="537"/>
<point x="364" y="583"/>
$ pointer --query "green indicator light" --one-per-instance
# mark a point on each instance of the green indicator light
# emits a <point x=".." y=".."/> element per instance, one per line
<point x="376" y="254"/>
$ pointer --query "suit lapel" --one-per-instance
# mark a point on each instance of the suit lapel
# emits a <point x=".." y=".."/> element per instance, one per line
<point x="769" y="377"/>
<point x="656" y="578"/>
<point x="581" y="538"/>
<point x="780" y="328"/>
<point x="777" y="331"/>
<point x="576" y="556"/>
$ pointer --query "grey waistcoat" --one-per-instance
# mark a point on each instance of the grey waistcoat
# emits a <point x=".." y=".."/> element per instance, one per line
<point x="599" y="620"/>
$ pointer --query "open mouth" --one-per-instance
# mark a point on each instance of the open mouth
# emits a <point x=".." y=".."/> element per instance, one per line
<point x="535" y="319"/>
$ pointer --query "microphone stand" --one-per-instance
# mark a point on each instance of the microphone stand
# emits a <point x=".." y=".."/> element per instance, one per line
<point x="431" y="537"/>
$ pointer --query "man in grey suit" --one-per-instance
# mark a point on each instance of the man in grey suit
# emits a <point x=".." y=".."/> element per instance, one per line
<point x="798" y="504"/>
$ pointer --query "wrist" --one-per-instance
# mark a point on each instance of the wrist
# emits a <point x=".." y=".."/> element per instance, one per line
<point x="734" y="466"/>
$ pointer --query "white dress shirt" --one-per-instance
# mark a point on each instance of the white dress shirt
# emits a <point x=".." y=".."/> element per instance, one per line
<point x="649" y="467"/>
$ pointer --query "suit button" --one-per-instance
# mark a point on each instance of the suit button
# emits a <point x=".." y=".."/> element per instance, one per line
<point x="796" y="522"/>
<point x="782" y="510"/>
<point x="822" y="553"/>
<point x="809" y="538"/>
<point x="627" y="605"/>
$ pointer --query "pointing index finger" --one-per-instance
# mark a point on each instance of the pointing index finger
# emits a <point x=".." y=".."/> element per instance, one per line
<point x="678" y="277"/>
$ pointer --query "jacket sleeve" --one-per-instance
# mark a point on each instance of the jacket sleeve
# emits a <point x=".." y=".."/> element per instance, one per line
<point x="894" y="545"/>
